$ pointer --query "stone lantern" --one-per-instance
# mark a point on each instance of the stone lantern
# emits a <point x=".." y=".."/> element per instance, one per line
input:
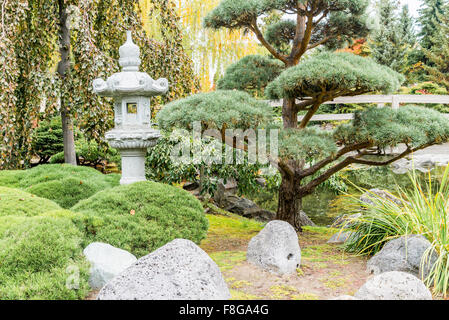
<point x="131" y="91"/>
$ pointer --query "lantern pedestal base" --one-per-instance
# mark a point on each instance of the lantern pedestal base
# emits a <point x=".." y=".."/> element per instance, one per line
<point x="133" y="165"/>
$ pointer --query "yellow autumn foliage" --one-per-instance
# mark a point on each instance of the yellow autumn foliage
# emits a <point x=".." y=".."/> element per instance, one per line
<point x="211" y="51"/>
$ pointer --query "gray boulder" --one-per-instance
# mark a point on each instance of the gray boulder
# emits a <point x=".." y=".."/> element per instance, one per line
<point x="304" y="220"/>
<point x="275" y="248"/>
<point x="243" y="207"/>
<point x="394" y="285"/>
<point x="368" y="196"/>
<point x="106" y="262"/>
<point x="401" y="254"/>
<point x="180" y="270"/>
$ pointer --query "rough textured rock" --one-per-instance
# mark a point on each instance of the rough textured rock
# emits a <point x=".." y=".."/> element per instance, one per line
<point x="243" y="207"/>
<point x="373" y="193"/>
<point x="340" y="238"/>
<point x="275" y="248"/>
<point x="106" y="262"/>
<point x="402" y="254"/>
<point x="305" y="220"/>
<point x="180" y="270"/>
<point x="394" y="285"/>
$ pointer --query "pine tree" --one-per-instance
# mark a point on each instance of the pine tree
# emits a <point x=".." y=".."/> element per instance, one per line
<point x="307" y="156"/>
<point x="438" y="55"/>
<point x="407" y="26"/>
<point x="429" y="21"/>
<point x="388" y="45"/>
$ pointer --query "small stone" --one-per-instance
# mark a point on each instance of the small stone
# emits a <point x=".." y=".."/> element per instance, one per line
<point x="276" y="248"/>
<point x="394" y="285"/>
<point x="106" y="262"/>
<point x="180" y="270"/>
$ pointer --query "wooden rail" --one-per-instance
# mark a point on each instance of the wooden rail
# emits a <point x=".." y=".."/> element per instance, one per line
<point x="381" y="100"/>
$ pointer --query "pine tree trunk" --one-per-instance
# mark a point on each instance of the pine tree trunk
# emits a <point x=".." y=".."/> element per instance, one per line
<point x="63" y="67"/>
<point x="290" y="202"/>
<point x="289" y="114"/>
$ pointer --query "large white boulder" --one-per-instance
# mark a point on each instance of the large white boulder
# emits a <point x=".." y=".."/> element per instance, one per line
<point x="106" y="262"/>
<point x="275" y="248"/>
<point x="394" y="285"/>
<point x="402" y="254"/>
<point x="180" y="270"/>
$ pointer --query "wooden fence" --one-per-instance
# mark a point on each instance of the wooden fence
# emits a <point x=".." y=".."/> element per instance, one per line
<point x="381" y="101"/>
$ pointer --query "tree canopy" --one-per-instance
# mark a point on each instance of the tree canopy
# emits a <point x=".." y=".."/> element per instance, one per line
<point x="251" y="73"/>
<point x="323" y="22"/>
<point x="329" y="75"/>
<point x="221" y="109"/>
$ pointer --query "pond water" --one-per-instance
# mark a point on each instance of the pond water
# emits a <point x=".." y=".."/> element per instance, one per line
<point x="323" y="205"/>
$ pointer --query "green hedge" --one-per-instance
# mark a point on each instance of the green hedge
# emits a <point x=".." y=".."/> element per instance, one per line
<point x="38" y="255"/>
<point x="142" y="217"/>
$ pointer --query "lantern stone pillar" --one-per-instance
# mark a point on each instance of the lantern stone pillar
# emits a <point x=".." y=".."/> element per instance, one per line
<point x="131" y="91"/>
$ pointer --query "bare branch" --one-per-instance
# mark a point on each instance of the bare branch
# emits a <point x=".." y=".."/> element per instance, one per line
<point x="254" y="27"/>
<point x="308" y="189"/>
<point x="343" y="151"/>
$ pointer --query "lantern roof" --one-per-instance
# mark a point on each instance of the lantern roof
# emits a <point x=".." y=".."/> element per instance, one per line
<point x="130" y="82"/>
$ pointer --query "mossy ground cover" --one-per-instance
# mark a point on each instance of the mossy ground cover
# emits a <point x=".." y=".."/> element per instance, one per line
<point x="41" y="258"/>
<point x="41" y="242"/>
<point x="64" y="184"/>
<point x="326" y="271"/>
<point x="143" y="216"/>
<point x="20" y="203"/>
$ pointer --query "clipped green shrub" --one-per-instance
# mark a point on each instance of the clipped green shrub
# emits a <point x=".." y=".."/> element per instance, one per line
<point x="39" y="257"/>
<point x="11" y="178"/>
<point x="48" y="139"/>
<point x="69" y="191"/>
<point x="66" y="184"/>
<point x="19" y="203"/>
<point x="143" y="216"/>
<point x="51" y="172"/>
<point x="89" y="153"/>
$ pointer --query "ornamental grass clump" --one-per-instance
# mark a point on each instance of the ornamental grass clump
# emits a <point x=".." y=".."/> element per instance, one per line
<point x="422" y="210"/>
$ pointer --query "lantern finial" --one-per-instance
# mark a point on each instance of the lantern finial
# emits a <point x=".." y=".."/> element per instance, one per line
<point x="129" y="54"/>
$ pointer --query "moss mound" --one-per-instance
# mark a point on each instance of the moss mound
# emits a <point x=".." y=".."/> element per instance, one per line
<point x="39" y="256"/>
<point x="15" y="202"/>
<point x="67" y="192"/>
<point x="143" y="216"/>
<point x="11" y="178"/>
<point x="63" y="184"/>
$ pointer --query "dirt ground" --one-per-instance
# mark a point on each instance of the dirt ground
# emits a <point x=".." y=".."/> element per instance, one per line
<point x="326" y="271"/>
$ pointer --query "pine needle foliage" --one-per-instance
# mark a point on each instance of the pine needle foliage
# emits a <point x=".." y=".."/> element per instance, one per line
<point x="334" y="74"/>
<point x="251" y="74"/>
<point x="220" y="109"/>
